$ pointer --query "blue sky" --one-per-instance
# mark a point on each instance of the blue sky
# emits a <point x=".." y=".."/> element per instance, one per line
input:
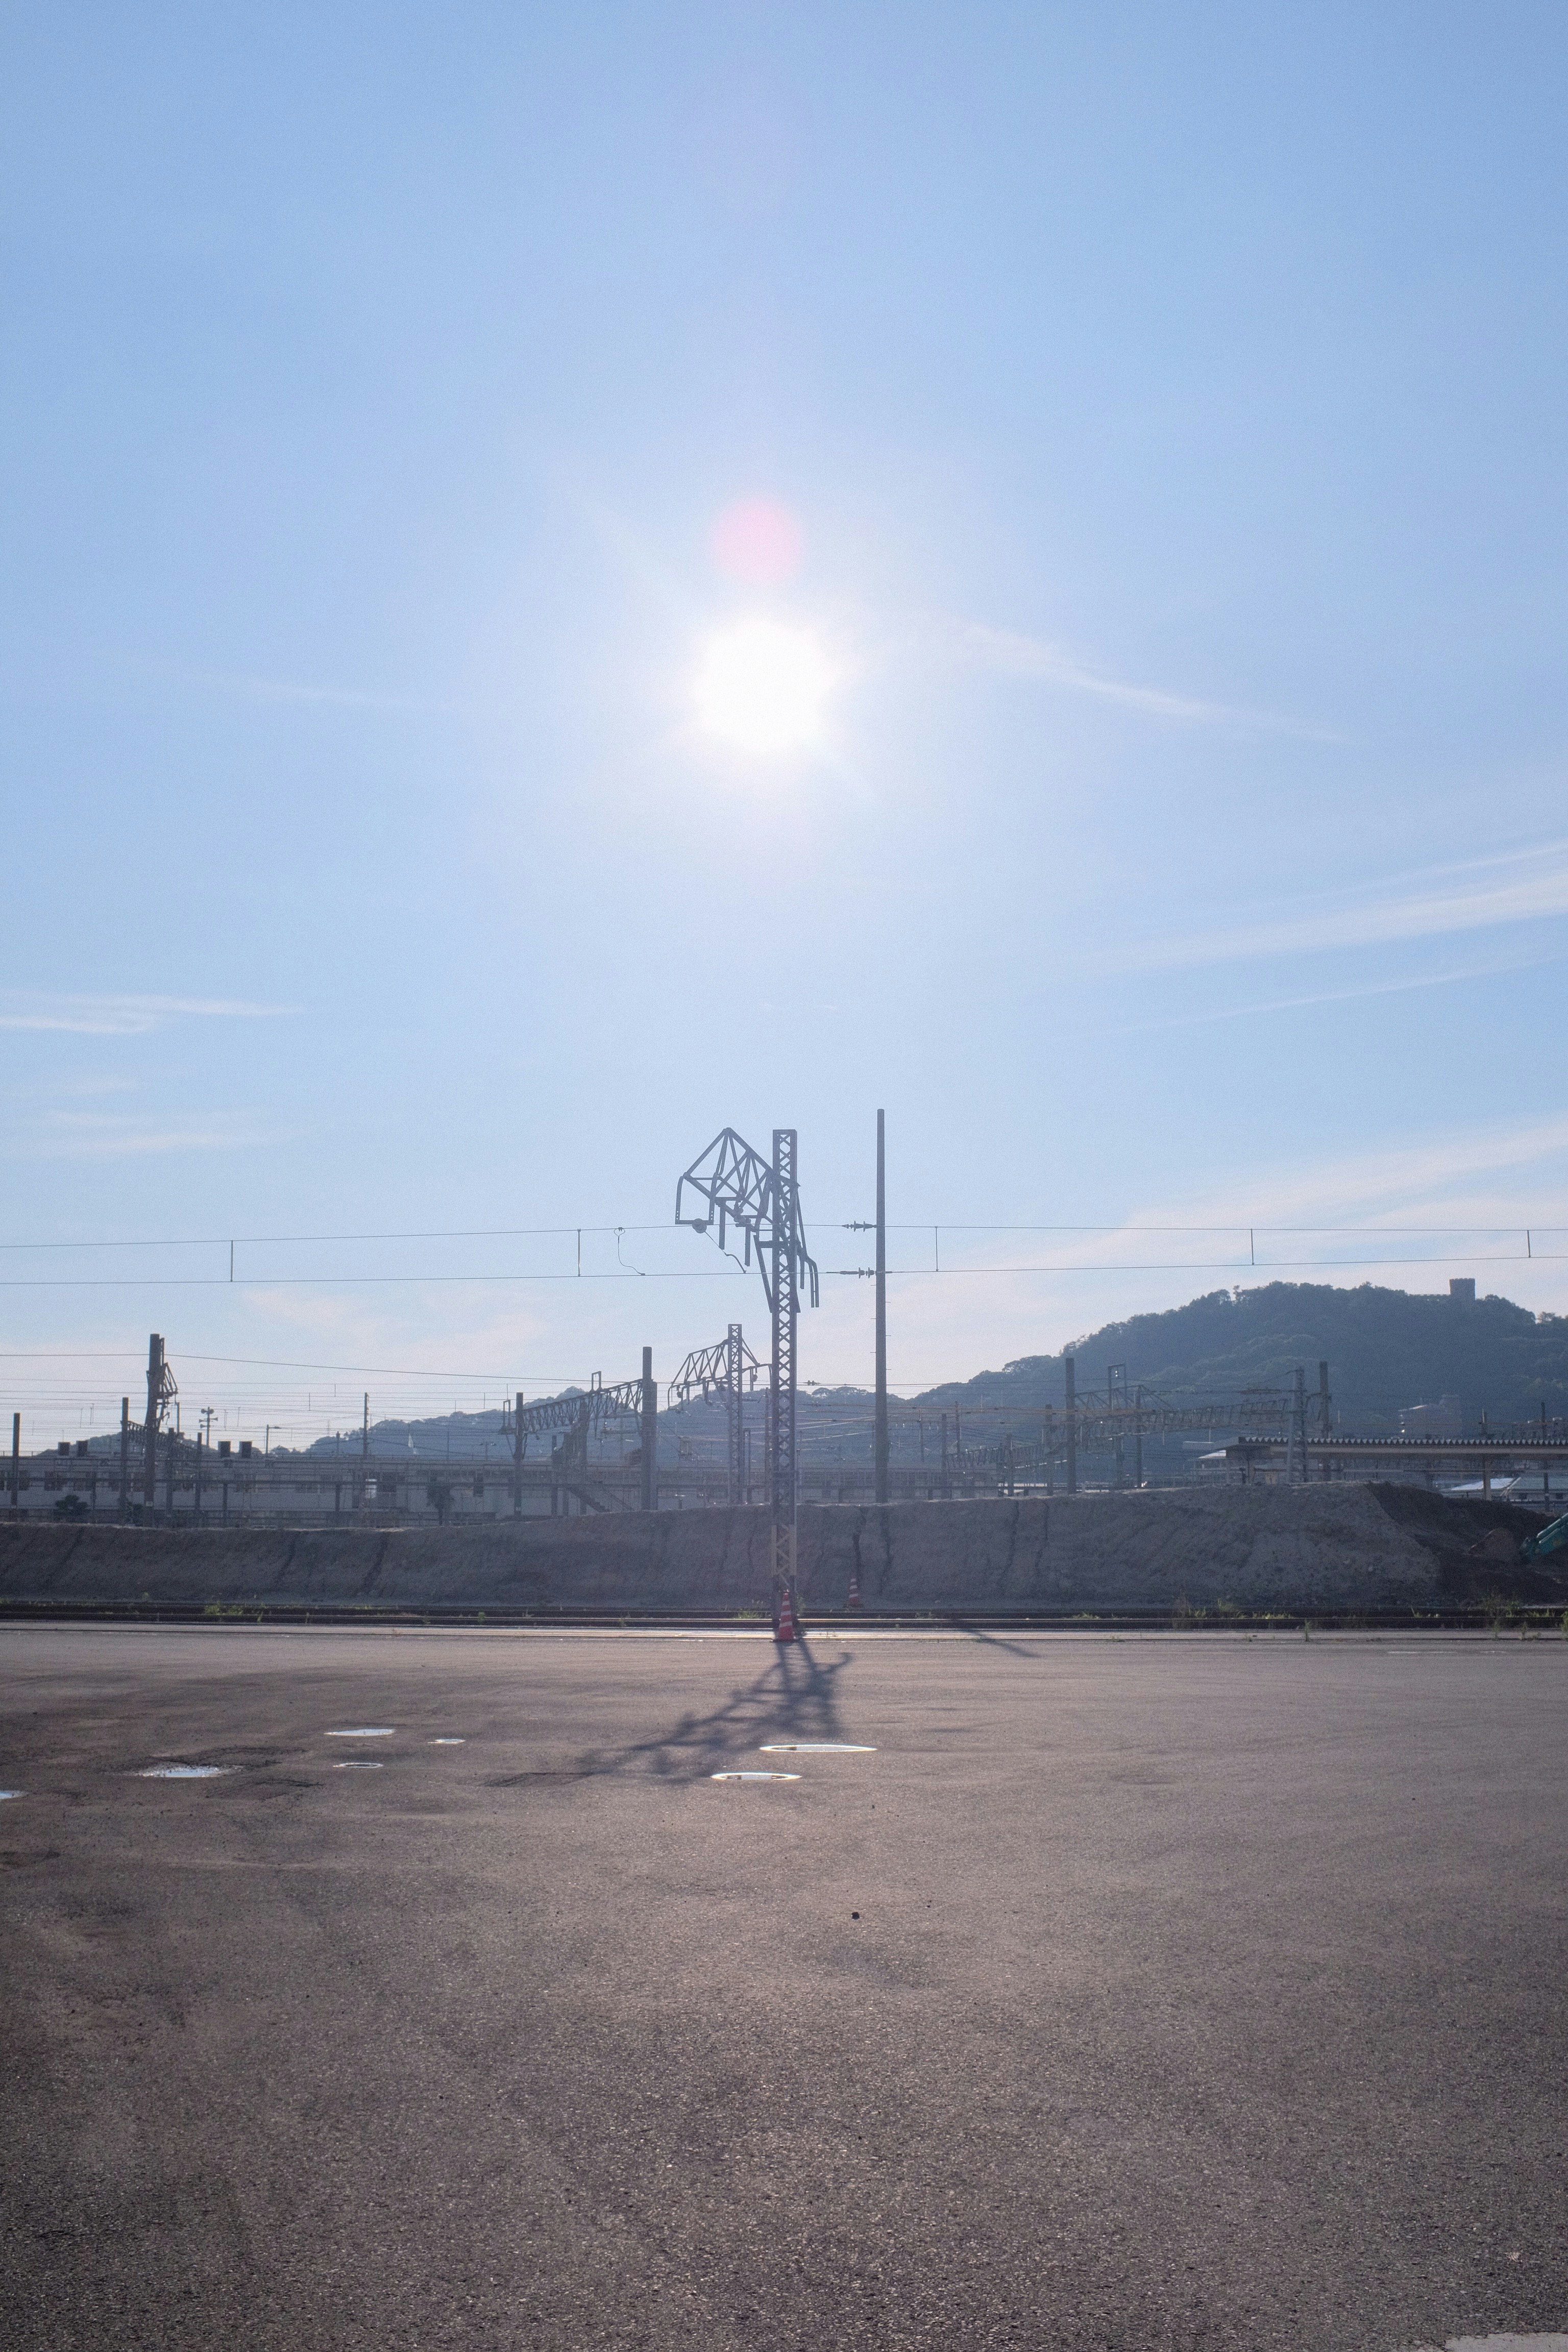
<point x="1169" y="401"/>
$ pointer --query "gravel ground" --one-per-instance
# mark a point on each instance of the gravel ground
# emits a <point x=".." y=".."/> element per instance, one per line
<point x="1340" y="1546"/>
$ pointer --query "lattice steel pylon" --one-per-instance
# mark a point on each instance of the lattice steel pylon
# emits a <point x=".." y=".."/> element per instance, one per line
<point x="740" y="1188"/>
<point x="574" y="1415"/>
<point x="726" y="1370"/>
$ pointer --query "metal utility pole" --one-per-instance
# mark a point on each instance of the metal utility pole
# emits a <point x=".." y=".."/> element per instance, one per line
<point x="1300" y="1419"/>
<point x="1069" y="1364"/>
<point x="125" y="1455"/>
<point x="881" y="1428"/>
<point x="649" y="1432"/>
<point x="786" y="1310"/>
<point x="767" y="1434"/>
<point x="1325" y="1412"/>
<point x="518" y="1442"/>
<point x="946" y="1481"/>
<point x="149" y="1422"/>
<point x="740" y="1188"/>
<point x="365" y="1440"/>
<point x="160" y="1389"/>
<point x="575" y="1449"/>
<point x="15" y="1460"/>
<point x="1138" y="1438"/>
<point x="735" y="1407"/>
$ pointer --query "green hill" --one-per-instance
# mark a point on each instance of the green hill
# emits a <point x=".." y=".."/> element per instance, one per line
<point x="1384" y="1348"/>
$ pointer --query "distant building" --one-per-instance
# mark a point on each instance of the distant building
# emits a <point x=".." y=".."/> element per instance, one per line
<point x="1463" y="1287"/>
<point x="1443" y="1419"/>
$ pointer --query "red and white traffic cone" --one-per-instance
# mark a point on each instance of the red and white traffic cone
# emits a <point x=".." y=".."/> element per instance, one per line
<point x="785" y="1630"/>
<point x="854" y="1600"/>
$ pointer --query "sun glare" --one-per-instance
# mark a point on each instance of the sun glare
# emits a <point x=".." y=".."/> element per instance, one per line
<point x="762" y="686"/>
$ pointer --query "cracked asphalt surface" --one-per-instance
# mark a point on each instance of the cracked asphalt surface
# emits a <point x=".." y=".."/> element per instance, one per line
<point x="1204" y="1992"/>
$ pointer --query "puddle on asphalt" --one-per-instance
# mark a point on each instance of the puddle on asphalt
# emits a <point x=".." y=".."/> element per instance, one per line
<point x="359" y="1764"/>
<point x="368" y="1731"/>
<point x="754" y="1776"/>
<point x="11" y="1793"/>
<point x="183" y="1771"/>
<point x="815" y="1747"/>
<point x="447" y="1743"/>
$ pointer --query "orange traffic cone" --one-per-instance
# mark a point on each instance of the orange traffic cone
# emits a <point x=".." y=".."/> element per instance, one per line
<point x="786" y="1628"/>
<point x="854" y="1600"/>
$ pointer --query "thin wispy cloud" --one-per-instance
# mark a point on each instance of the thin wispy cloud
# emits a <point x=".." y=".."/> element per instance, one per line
<point x="253" y="686"/>
<point x="1014" y="655"/>
<point x="1344" y="995"/>
<point x="108" y="1135"/>
<point x="1455" y="1177"/>
<point x="1521" y="887"/>
<point x="124" y="1016"/>
<point x="341" y="698"/>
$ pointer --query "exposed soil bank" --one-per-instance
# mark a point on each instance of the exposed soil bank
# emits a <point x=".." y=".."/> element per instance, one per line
<point x="1330" y="1548"/>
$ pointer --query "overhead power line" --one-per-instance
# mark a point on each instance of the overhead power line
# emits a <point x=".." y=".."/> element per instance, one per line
<point x="329" y="1281"/>
<point x="830" y="1274"/>
<point x="911" y="1225"/>
<point x="930" y="1224"/>
<point x="268" y="1364"/>
<point x="1206" y="1266"/>
<point x="279" y="1241"/>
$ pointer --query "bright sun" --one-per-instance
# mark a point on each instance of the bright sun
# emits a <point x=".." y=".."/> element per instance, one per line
<point x="761" y="687"/>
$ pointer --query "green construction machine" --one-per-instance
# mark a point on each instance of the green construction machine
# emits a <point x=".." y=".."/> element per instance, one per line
<point x="1552" y="1538"/>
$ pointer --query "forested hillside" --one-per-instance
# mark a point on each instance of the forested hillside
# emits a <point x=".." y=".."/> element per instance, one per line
<point x="1384" y="1348"/>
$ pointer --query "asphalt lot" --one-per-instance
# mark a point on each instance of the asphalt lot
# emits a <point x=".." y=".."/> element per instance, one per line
<point x="1203" y="1992"/>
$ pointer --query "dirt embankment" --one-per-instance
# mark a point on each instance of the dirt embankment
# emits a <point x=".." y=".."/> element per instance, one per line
<point x="1331" y="1547"/>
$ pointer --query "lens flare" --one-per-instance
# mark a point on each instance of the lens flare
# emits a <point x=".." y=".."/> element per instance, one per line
<point x="762" y="688"/>
<point x="757" y="541"/>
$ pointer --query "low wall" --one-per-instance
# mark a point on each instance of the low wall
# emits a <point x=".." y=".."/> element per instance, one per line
<point x="1334" y="1546"/>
